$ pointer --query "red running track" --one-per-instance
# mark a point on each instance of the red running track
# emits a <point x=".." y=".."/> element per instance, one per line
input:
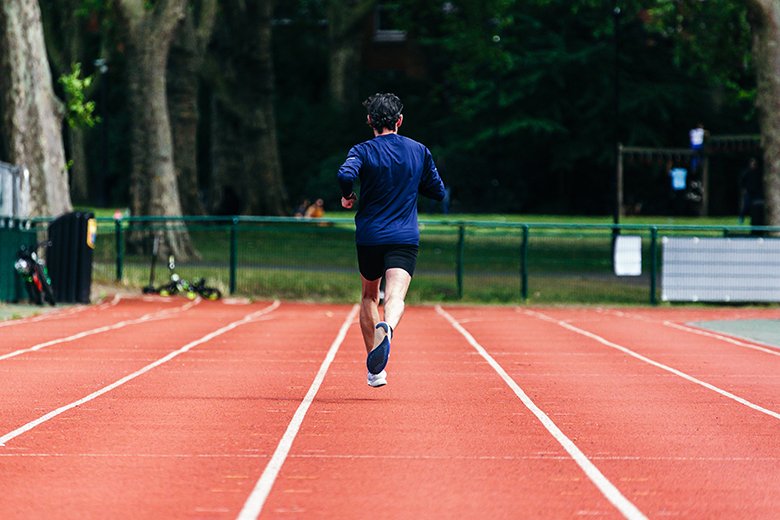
<point x="163" y="408"/>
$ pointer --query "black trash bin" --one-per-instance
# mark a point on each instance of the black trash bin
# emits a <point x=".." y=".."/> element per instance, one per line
<point x="69" y="256"/>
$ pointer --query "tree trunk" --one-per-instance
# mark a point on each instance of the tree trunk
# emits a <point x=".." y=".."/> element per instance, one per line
<point x="245" y="151"/>
<point x="153" y="187"/>
<point x="226" y="189"/>
<point x="345" y="31"/>
<point x="272" y="196"/>
<point x="64" y="35"/>
<point x="765" y="23"/>
<point x="184" y="65"/>
<point x="79" y="189"/>
<point x="31" y="113"/>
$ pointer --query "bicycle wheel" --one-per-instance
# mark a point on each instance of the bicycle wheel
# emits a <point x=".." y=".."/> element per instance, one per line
<point x="210" y="293"/>
<point x="44" y="285"/>
<point x="35" y="289"/>
<point x="32" y="291"/>
<point x="168" y="289"/>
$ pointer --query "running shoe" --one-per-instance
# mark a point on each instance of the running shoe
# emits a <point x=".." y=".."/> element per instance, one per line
<point x="376" y="380"/>
<point x="377" y="358"/>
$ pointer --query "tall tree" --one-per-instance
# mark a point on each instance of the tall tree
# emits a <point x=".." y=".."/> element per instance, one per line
<point x="149" y="28"/>
<point x="184" y="68"/>
<point x="31" y="113"/>
<point x="526" y="87"/>
<point x="64" y="42"/>
<point x="246" y="170"/>
<point x="346" y="23"/>
<point x="765" y="23"/>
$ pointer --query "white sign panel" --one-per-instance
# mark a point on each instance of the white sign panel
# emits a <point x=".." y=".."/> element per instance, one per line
<point x="628" y="255"/>
<point x="720" y="269"/>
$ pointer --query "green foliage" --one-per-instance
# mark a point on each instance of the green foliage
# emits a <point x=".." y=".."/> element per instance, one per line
<point x="87" y="7"/>
<point x="713" y="40"/>
<point x="516" y="98"/>
<point x="80" y="112"/>
<point x="533" y="95"/>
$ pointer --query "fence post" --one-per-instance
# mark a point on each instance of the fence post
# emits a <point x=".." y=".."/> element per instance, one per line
<point x="233" y="254"/>
<point x="653" y="263"/>
<point x="120" y="249"/>
<point x="461" y="247"/>
<point x="524" y="264"/>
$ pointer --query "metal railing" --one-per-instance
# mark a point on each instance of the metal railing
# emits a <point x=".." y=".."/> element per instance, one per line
<point x="469" y="261"/>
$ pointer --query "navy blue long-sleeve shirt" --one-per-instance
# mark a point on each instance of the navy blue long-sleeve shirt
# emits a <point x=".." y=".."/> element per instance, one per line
<point x="392" y="170"/>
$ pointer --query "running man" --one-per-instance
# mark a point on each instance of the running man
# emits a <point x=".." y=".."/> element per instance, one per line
<point x="392" y="170"/>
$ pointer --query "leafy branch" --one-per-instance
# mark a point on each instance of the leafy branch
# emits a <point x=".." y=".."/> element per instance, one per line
<point x="80" y="113"/>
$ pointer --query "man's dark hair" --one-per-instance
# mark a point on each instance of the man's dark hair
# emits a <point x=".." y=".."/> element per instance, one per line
<point x="384" y="109"/>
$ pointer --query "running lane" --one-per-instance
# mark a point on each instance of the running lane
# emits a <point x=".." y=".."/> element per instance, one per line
<point x="446" y="438"/>
<point x="185" y="439"/>
<point x="749" y="373"/>
<point x="37" y="381"/>
<point x="674" y="447"/>
<point x="22" y="334"/>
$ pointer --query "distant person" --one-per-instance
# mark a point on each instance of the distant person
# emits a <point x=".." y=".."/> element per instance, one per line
<point x="678" y="178"/>
<point x="316" y="210"/>
<point x="751" y="190"/>
<point x="679" y="184"/>
<point x="697" y="137"/>
<point x="302" y="207"/>
<point x="392" y="170"/>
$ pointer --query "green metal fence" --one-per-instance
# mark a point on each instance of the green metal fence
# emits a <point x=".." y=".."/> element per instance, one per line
<point x="459" y="261"/>
<point x="13" y="234"/>
<point x="315" y="259"/>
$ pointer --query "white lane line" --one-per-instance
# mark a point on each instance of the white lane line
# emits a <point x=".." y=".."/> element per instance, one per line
<point x="208" y="337"/>
<point x="61" y="313"/>
<point x="654" y="363"/>
<point x="256" y="500"/>
<point x="607" y="488"/>
<point x="721" y="337"/>
<point x="146" y="317"/>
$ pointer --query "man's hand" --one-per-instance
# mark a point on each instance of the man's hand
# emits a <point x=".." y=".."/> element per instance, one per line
<point x="348" y="202"/>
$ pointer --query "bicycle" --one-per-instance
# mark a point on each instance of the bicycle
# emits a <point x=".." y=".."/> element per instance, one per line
<point x="177" y="284"/>
<point x="209" y="293"/>
<point x="32" y="269"/>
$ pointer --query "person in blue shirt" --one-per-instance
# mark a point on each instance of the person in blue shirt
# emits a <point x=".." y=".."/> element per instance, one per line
<point x="391" y="170"/>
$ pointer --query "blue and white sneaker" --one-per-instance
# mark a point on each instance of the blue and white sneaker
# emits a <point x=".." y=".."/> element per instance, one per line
<point x="377" y="358"/>
<point x="377" y="380"/>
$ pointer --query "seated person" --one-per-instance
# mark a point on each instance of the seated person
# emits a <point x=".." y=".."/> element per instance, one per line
<point x="316" y="210"/>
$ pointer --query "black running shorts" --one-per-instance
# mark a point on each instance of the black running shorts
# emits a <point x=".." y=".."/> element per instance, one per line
<point x="375" y="260"/>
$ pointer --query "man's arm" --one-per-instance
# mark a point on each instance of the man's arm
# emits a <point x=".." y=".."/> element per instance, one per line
<point x="431" y="185"/>
<point x="349" y="172"/>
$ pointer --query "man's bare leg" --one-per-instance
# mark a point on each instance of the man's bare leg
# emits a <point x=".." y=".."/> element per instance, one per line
<point x="369" y="311"/>
<point x="397" y="282"/>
